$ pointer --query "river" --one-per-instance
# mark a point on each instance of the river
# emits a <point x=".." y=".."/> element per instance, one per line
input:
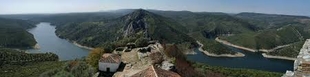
<point x="251" y="60"/>
<point x="45" y="35"/>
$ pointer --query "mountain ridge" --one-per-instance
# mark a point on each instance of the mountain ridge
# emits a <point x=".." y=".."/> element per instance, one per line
<point x="139" y="24"/>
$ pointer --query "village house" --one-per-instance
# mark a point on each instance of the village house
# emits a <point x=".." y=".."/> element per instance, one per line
<point x="109" y="62"/>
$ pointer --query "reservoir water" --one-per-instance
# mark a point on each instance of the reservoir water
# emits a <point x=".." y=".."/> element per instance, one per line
<point x="251" y="60"/>
<point x="45" y="35"/>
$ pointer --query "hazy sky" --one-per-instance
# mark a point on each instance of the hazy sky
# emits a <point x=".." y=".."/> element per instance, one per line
<point x="292" y="7"/>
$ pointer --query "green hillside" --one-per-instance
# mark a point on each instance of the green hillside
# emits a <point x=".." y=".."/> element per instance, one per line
<point x="204" y="27"/>
<point x="266" y="21"/>
<point x="14" y="35"/>
<point x="290" y="51"/>
<point x="125" y="29"/>
<point x="274" y="30"/>
<point x="270" y="38"/>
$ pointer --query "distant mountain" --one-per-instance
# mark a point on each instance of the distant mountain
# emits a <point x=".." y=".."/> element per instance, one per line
<point x="14" y="35"/>
<point x="270" y="20"/>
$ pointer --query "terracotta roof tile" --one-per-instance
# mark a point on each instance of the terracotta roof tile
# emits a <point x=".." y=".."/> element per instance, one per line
<point x="110" y="58"/>
<point x="155" y="72"/>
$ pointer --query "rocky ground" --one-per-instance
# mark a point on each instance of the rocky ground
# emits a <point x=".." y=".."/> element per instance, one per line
<point x="137" y="61"/>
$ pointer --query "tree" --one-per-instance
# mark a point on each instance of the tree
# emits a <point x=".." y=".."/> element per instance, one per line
<point x="94" y="57"/>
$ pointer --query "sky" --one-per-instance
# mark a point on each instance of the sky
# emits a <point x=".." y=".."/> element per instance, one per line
<point x="288" y="7"/>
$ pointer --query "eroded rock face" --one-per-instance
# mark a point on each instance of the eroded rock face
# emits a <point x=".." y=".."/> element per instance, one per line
<point x="135" y="22"/>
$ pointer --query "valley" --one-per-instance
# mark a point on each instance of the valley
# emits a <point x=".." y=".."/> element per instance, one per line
<point x="193" y="39"/>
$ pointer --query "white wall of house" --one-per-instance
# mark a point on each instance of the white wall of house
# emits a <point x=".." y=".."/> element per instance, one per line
<point x="113" y="66"/>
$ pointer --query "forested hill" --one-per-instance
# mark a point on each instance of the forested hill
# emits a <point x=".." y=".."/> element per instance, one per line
<point x="205" y="26"/>
<point x="267" y="21"/>
<point x="138" y="25"/>
<point x="274" y="30"/>
<point x="14" y="35"/>
<point x="63" y="19"/>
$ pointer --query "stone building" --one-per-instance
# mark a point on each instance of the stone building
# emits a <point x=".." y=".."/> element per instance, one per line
<point x="109" y="62"/>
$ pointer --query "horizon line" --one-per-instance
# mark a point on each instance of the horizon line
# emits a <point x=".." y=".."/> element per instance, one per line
<point x="147" y="10"/>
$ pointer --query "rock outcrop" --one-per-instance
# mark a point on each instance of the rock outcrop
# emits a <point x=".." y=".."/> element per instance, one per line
<point x="302" y="64"/>
<point x="135" y="22"/>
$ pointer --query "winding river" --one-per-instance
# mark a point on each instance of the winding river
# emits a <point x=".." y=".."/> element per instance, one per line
<point x="45" y="35"/>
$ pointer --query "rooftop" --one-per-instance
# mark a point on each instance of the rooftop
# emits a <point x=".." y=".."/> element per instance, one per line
<point x="152" y="71"/>
<point x="110" y="58"/>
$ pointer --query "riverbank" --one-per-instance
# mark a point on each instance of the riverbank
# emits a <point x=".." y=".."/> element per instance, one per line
<point x="260" y="50"/>
<point x="273" y="49"/>
<point x="81" y="46"/>
<point x="250" y="49"/>
<point x="233" y="45"/>
<point x="278" y="57"/>
<point x="221" y="55"/>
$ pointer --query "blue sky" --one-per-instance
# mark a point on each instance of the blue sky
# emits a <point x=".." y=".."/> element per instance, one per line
<point x="291" y="7"/>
